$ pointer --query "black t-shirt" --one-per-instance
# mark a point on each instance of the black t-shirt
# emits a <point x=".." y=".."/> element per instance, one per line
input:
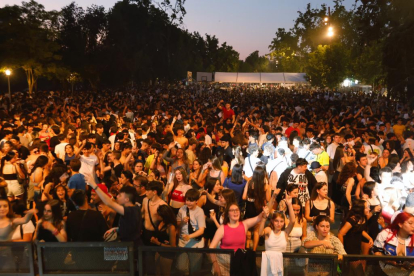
<point x="87" y="226"/>
<point x="360" y="171"/>
<point x="141" y="198"/>
<point x="118" y="170"/>
<point x="130" y="225"/>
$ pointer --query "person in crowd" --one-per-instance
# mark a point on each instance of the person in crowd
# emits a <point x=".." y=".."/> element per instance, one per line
<point x="191" y="224"/>
<point x="84" y="224"/>
<point x="346" y="180"/>
<point x="149" y="209"/>
<point x="319" y="204"/>
<point x="23" y="232"/>
<point x="51" y="226"/>
<point x="396" y="240"/>
<point x="11" y="170"/>
<point x="140" y="183"/>
<point x="374" y="218"/>
<point x="213" y="188"/>
<point x="277" y="233"/>
<point x="299" y="230"/>
<point x="257" y="194"/>
<point x="322" y="240"/>
<point x="232" y="235"/>
<point x="9" y="222"/>
<point x="197" y="177"/>
<point x="299" y="176"/>
<point x="177" y="189"/>
<point x="37" y="175"/>
<point x="236" y="183"/>
<point x="130" y="221"/>
<point x="353" y="227"/>
<point x="292" y="190"/>
<point x="165" y="236"/>
<point x="66" y="205"/>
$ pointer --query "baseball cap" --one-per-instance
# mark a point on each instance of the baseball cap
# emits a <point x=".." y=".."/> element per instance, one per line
<point x="104" y="189"/>
<point x="315" y="165"/>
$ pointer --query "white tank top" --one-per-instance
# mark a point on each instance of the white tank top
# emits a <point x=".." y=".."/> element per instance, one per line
<point x="276" y="242"/>
<point x="296" y="233"/>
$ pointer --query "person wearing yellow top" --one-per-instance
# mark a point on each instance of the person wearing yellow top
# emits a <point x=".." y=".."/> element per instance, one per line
<point x="321" y="156"/>
<point x="399" y="128"/>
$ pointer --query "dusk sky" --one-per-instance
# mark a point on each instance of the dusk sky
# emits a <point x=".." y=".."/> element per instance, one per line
<point x="247" y="25"/>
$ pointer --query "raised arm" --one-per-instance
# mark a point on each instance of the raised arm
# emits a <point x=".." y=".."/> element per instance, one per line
<point x="105" y="199"/>
<point x="249" y="223"/>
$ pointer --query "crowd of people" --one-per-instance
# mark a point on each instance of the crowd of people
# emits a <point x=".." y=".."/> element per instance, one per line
<point x="199" y="167"/>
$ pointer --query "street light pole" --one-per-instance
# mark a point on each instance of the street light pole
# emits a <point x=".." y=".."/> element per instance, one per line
<point x="8" y="73"/>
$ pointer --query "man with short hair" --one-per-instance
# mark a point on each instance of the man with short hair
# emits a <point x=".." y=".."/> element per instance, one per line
<point x="299" y="176"/>
<point x="100" y="135"/>
<point x="130" y="222"/>
<point x="140" y="183"/>
<point x="60" y="148"/>
<point x="149" y="208"/>
<point x="251" y="161"/>
<point x="321" y="156"/>
<point x="84" y="224"/>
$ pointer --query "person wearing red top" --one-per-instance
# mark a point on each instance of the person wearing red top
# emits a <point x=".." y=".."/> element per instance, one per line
<point x="292" y="128"/>
<point x="228" y="113"/>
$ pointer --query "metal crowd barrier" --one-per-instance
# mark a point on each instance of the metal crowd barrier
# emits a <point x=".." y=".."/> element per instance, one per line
<point x="107" y="259"/>
<point x="183" y="261"/>
<point x="85" y="258"/>
<point x="372" y="265"/>
<point x="16" y="259"/>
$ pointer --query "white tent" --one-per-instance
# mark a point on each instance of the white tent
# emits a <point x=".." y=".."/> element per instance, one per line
<point x="284" y="78"/>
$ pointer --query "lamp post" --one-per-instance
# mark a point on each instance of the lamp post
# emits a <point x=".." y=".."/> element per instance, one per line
<point x="8" y="73"/>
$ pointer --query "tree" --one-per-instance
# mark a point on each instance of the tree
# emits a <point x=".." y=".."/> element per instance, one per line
<point x="327" y="66"/>
<point x="29" y="36"/>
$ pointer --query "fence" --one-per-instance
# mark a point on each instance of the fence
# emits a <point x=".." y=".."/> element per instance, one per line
<point x="85" y="258"/>
<point x="16" y="258"/>
<point x="107" y="259"/>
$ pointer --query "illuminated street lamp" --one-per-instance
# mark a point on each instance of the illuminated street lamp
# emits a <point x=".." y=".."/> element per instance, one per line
<point x="8" y="73"/>
<point x="330" y="32"/>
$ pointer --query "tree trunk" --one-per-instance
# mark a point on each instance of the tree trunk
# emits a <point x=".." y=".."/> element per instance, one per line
<point x="31" y="79"/>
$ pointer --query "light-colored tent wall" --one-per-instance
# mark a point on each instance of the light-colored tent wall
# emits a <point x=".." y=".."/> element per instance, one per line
<point x="204" y="76"/>
<point x="225" y="77"/>
<point x="248" y="78"/>
<point x="283" y="78"/>
<point x="273" y="78"/>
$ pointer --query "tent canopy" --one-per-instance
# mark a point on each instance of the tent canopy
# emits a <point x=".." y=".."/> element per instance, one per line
<point x="260" y="77"/>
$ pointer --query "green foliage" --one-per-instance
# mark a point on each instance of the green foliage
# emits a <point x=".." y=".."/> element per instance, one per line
<point x="327" y="65"/>
<point x="28" y="40"/>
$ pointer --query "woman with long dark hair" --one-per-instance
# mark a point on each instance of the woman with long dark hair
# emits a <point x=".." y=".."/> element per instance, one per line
<point x="236" y="182"/>
<point x="66" y="205"/>
<point x="213" y="188"/>
<point x="319" y="203"/>
<point x="36" y="176"/>
<point x="166" y="236"/>
<point x="257" y="193"/>
<point x="299" y="231"/>
<point x="347" y="183"/>
<point x="197" y="178"/>
<point x="8" y="225"/>
<point x="353" y="227"/>
<point x="51" y="227"/>
<point x="177" y="188"/>
<point x="374" y="217"/>
<point x="11" y="171"/>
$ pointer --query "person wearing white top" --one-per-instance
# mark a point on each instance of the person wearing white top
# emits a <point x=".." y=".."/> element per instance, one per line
<point x="250" y="162"/>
